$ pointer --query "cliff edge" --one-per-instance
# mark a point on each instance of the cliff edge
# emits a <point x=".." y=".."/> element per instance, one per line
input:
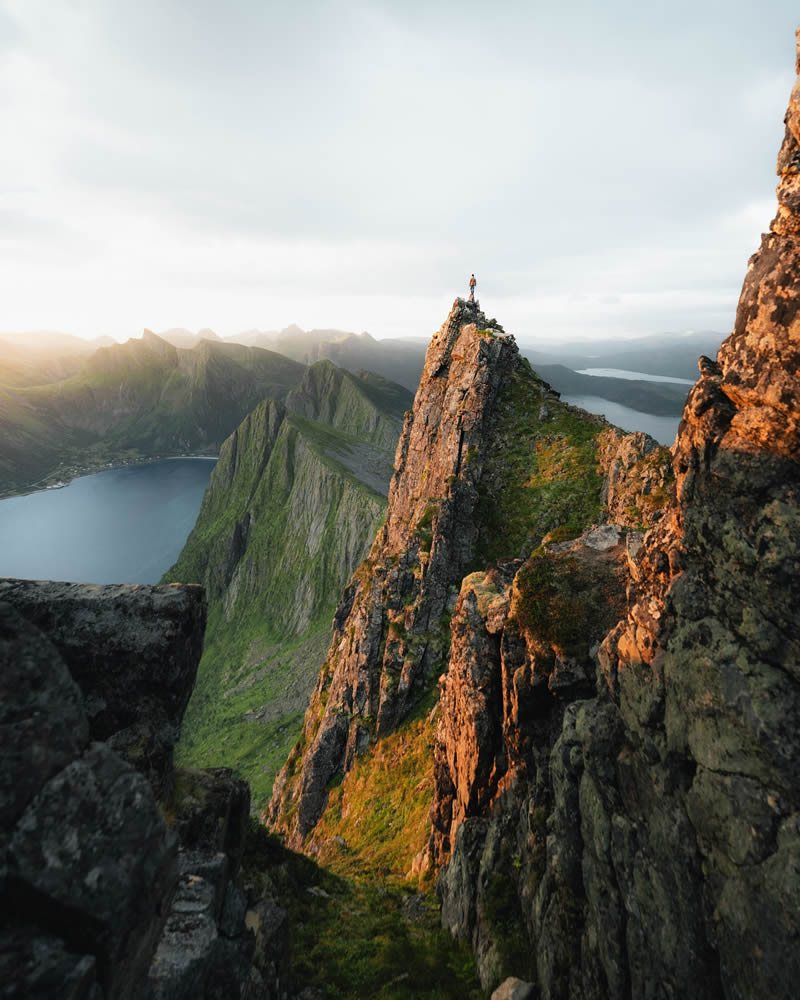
<point x="642" y="838"/>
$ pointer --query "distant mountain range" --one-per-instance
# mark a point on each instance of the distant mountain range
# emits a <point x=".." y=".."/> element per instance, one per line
<point x="69" y="405"/>
<point x="134" y="400"/>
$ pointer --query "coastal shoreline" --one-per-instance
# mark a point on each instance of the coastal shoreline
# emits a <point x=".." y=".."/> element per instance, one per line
<point x="61" y="478"/>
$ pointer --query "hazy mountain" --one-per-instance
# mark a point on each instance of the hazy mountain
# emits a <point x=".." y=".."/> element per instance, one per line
<point x="396" y="359"/>
<point x="137" y="399"/>
<point x="179" y="337"/>
<point x="40" y="356"/>
<point x="672" y="354"/>
<point x="27" y="343"/>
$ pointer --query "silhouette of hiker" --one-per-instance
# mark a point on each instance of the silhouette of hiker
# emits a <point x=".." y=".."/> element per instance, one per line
<point x="472" y="284"/>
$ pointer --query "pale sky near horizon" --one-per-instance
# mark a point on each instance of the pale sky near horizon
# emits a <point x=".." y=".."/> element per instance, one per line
<point x="604" y="169"/>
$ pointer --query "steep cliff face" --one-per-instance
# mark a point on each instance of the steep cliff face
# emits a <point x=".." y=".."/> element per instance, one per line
<point x="639" y="835"/>
<point x="291" y="509"/>
<point x="119" y="875"/>
<point x="489" y="461"/>
<point x="390" y="630"/>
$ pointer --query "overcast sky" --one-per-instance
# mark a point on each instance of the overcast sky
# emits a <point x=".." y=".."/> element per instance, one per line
<point x="603" y="168"/>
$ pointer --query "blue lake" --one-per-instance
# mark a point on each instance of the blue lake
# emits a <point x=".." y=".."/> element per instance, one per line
<point x="124" y="525"/>
<point x="638" y="376"/>
<point x="663" y="429"/>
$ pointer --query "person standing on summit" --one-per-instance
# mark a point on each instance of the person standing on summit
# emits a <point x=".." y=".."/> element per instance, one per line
<point x="472" y="284"/>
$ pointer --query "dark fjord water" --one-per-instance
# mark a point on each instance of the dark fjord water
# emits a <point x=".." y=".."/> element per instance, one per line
<point x="663" y="429"/>
<point x="123" y="525"/>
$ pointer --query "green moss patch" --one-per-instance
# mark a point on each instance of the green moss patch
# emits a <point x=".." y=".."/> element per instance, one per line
<point x="564" y="600"/>
<point x="381" y="808"/>
<point x="353" y="941"/>
<point x="541" y="473"/>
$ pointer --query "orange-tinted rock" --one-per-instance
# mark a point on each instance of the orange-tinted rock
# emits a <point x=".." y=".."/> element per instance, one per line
<point x="650" y="844"/>
<point x="391" y="628"/>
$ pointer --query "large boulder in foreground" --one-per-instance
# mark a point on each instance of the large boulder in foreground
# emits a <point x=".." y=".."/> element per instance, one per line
<point x="133" y="652"/>
<point x="89" y="865"/>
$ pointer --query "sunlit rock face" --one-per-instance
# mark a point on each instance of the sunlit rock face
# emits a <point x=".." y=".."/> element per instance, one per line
<point x="642" y="837"/>
<point x="390" y="631"/>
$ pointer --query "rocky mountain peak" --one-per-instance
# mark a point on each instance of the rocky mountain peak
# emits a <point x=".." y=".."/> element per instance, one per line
<point x="391" y="630"/>
<point x="157" y="345"/>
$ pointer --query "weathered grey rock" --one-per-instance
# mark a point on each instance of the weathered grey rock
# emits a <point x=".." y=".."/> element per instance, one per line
<point x="91" y="854"/>
<point x="212" y="810"/>
<point x="234" y="908"/>
<point x="201" y="954"/>
<point x="133" y="652"/>
<point x="188" y="948"/>
<point x="90" y="867"/>
<point x="213" y="867"/>
<point x="39" y="967"/>
<point x="90" y="870"/>
<point x="270" y="925"/>
<point x="43" y="726"/>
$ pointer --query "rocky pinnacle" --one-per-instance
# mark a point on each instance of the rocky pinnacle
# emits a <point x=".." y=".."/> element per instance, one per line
<point x="391" y="629"/>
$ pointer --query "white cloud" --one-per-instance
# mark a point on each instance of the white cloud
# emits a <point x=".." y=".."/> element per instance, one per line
<point x="349" y="164"/>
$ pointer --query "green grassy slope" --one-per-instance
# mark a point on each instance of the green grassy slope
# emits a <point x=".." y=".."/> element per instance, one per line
<point x="541" y="473"/>
<point x="350" y="941"/>
<point x="138" y="399"/>
<point x="285" y="520"/>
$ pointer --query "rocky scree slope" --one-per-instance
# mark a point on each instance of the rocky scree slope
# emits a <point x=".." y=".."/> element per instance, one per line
<point x="489" y="461"/>
<point x="118" y="873"/>
<point x="635" y="831"/>
<point x="290" y="510"/>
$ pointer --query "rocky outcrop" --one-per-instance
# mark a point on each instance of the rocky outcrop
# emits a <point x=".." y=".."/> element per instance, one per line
<point x="640" y="834"/>
<point x="390" y="631"/>
<point x="523" y="634"/>
<point x="490" y="461"/>
<point x="118" y="876"/>
<point x="638" y="478"/>
<point x="89" y="865"/>
<point x="133" y="651"/>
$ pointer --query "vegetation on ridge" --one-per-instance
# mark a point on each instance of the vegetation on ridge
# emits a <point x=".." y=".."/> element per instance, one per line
<point x="353" y="940"/>
<point x="540" y="472"/>
<point x="290" y="510"/>
<point x="377" y="818"/>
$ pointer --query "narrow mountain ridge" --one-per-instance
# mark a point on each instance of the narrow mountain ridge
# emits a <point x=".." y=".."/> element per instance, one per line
<point x="489" y="461"/>
<point x="290" y="510"/>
